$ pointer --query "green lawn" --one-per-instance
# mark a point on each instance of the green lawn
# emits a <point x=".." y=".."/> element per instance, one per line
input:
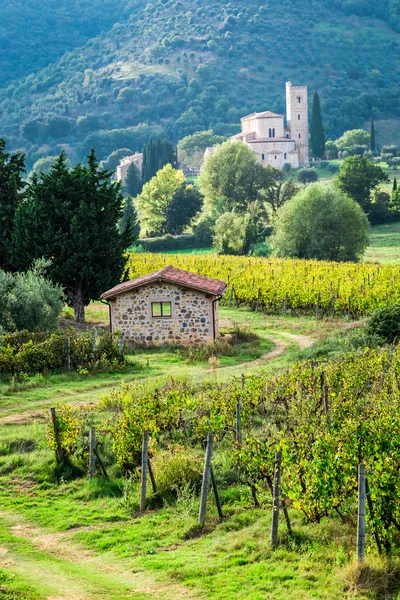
<point x="384" y="245"/>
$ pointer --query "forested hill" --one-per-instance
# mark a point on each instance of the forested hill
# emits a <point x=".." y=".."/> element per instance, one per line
<point x="182" y="66"/>
<point x="34" y="34"/>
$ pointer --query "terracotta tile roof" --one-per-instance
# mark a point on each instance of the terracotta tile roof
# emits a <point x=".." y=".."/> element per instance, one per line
<point x="262" y="115"/>
<point x="171" y="275"/>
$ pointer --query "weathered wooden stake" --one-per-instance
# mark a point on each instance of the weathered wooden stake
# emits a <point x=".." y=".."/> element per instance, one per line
<point x="349" y="307"/>
<point x="231" y="296"/>
<point x="287" y="518"/>
<point x="121" y="343"/>
<point x="145" y="459"/>
<point x="92" y="452"/>
<point x="59" y="448"/>
<point x="258" y="299"/>
<point x="68" y="353"/>
<point x="361" y="513"/>
<point x="276" y="500"/>
<point x="372" y="514"/>
<point x="152" y="478"/>
<point x="317" y="306"/>
<point x="216" y="496"/>
<point x="206" y="479"/>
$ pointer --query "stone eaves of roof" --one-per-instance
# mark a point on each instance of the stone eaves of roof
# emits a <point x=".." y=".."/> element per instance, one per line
<point x="172" y="275"/>
<point x="262" y="115"/>
<point x="242" y="134"/>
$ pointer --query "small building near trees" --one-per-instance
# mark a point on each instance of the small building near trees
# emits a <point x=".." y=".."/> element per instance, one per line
<point x="170" y="306"/>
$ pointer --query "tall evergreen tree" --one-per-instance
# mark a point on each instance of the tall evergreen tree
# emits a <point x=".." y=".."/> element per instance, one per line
<point x="157" y="154"/>
<point x="152" y="158"/>
<point x="71" y="216"/>
<point x="133" y="181"/>
<point x="317" y="129"/>
<point x="144" y="165"/>
<point x="394" y="184"/>
<point x="373" y="138"/>
<point x="12" y="168"/>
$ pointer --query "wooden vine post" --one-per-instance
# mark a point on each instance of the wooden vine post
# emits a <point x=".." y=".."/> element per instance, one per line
<point x="317" y="306"/>
<point x="231" y="296"/>
<point x="92" y="452"/>
<point x="206" y="480"/>
<point x="121" y="343"/>
<point x="145" y="461"/>
<point x="362" y="497"/>
<point x="68" y="353"/>
<point x="276" y="499"/>
<point x="215" y="490"/>
<point x="152" y="478"/>
<point x="59" y="448"/>
<point x="258" y="299"/>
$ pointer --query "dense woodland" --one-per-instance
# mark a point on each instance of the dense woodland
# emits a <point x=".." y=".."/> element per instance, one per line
<point x="174" y="68"/>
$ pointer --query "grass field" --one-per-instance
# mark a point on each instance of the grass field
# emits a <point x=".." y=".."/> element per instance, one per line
<point x="384" y="245"/>
<point x="68" y="539"/>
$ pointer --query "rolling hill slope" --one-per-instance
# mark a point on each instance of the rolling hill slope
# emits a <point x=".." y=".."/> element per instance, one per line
<point x="178" y="67"/>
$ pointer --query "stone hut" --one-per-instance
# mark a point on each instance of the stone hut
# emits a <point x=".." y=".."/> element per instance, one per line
<point x="170" y="306"/>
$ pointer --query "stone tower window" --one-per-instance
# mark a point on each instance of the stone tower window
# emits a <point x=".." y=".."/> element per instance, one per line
<point x="299" y="136"/>
<point x="263" y="156"/>
<point x="299" y="99"/>
<point x="285" y="156"/>
<point x="298" y="117"/>
<point x="271" y="132"/>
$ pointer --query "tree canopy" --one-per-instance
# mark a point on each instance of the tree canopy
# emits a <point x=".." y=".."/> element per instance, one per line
<point x="156" y="196"/>
<point x="232" y="178"/>
<point x="358" y="177"/>
<point x="321" y="223"/>
<point x="70" y="216"/>
<point x="12" y="169"/>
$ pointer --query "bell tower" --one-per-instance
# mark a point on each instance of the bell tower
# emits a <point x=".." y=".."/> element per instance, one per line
<point x="297" y="120"/>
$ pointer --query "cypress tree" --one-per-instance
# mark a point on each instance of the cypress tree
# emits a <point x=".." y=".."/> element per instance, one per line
<point x="394" y="184"/>
<point x="152" y="159"/>
<point x="71" y="216"/>
<point x="144" y="166"/>
<point x="317" y="129"/>
<point x="12" y="169"/>
<point x="133" y="182"/>
<point x="373" y="138"/>
<point x="160" y="162"/>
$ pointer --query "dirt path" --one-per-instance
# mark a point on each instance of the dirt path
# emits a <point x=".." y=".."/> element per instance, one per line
<point x="61" y="569"/>
<point x="280" y="347"/>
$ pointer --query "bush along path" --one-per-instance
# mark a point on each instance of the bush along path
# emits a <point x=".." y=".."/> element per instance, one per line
<point x="26" y="400"/>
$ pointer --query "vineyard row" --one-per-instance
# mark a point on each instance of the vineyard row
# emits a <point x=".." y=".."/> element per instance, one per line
<point x="300" y="285"/>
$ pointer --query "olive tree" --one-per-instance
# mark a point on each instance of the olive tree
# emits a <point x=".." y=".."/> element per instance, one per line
<point x="321" y="223"/>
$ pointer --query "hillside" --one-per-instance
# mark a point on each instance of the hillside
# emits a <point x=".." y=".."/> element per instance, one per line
<point x="179" y="67"/>
<point x="33" y="34"/>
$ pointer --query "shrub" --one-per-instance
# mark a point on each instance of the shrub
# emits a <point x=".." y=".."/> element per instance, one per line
<point x="229" y="234"/>
<point x="307" y="175"/>
<point x="385" y="323"/>
<point x="321" y="223"/>
<point x="29" y="300"/>
<point x="177" y="468"/>
<point x="24" y="352"/>
<point x="261" y="249"/>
